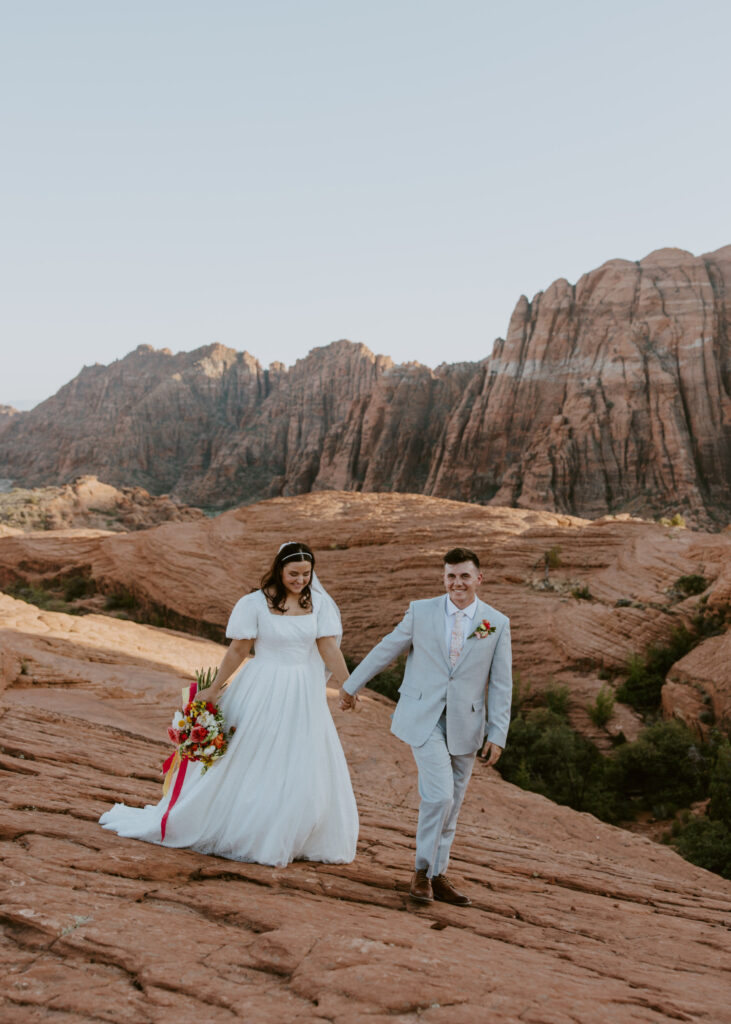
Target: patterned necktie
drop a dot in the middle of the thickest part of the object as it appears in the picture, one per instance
(456, 640)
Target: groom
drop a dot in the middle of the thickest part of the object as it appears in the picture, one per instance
(459, 648)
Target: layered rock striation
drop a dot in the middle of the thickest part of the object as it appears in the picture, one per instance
(610, 395)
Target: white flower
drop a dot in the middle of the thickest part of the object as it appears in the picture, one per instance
(208, 720)
(178, 721)
(208, 751)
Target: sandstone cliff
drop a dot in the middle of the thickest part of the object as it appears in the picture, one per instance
(612, 394)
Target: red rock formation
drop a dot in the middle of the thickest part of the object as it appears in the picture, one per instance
(377, 552)
(572, 919)
(89, 503)
(613, 394)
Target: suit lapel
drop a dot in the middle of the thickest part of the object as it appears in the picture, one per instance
(439, 628)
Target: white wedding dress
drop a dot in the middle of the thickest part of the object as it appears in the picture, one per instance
(282, 790)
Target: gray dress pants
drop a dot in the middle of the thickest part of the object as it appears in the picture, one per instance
(443, 779)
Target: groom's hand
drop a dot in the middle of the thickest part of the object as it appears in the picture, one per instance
(490, 754)
(347, 700)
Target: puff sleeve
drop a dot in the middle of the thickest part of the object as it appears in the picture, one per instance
(328, 618)
(242, 624)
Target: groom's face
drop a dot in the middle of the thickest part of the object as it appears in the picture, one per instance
(461, 582)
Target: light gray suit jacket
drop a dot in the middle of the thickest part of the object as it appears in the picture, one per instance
(431, 683)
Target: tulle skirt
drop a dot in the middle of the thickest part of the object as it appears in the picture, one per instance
(281, 792)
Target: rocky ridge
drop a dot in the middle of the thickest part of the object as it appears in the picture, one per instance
(610, 395)
(573, 920)
(377, 552)
(88, 503)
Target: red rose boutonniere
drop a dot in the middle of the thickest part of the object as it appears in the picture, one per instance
(484, 629)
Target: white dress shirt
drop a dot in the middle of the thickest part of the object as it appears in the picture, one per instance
(450, 610)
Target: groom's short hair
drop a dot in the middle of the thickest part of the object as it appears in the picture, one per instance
(457, 555)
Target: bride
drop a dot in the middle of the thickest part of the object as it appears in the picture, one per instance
(282, 791)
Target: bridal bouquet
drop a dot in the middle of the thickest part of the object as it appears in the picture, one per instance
(198, 734)
(198, 730)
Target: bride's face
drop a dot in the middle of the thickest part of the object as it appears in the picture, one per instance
(296, 576)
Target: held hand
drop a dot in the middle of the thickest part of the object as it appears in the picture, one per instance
(490, 754)
(347, 700)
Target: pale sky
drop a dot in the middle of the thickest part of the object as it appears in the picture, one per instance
(278, 174)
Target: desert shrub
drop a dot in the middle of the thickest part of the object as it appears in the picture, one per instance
(121, 599)
(552, 558)
(545, 755)
(689, 585)
(41, 597)
(720, 786)
(581, 593)
(707, 843)
(601, 710)
(676, 520)
(556, 699)
(664, 769)
(77, 586)
(646, 672)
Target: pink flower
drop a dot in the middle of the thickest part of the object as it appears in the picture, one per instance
(175, 736)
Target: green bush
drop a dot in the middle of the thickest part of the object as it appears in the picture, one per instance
(690, 585)
(120, 599)
(601, 710)
(581, 593)
(556, 699)
(552, 558)
(720, 787)
(545, 755)
(77, 586)
(664, 769)
(646, 672)
(707, 843)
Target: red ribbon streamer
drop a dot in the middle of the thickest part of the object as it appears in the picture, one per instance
(180, 777)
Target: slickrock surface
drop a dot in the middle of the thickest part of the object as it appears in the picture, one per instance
(608, 395)
(376, 552)
(87, 502)
(573, 920)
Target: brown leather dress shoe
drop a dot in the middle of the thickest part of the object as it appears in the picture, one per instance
(421, 887)
(445, 892)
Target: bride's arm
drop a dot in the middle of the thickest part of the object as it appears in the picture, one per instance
(333, 658)
(238, 651)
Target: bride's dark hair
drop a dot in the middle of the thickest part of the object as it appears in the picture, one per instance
(272, 583)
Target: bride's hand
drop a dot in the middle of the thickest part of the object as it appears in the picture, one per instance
(347, 700)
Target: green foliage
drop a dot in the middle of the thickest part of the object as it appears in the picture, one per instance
(205, 677)
(646, 672)
(720, 787)
(547, 756)
(707, 843)
(601, 710)
(552, 558)
(582, 593)
(664, 769)
(41, 597)
(556, 699)
(77, 586)
(121, 599)
(689, 585)
(676, 520)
